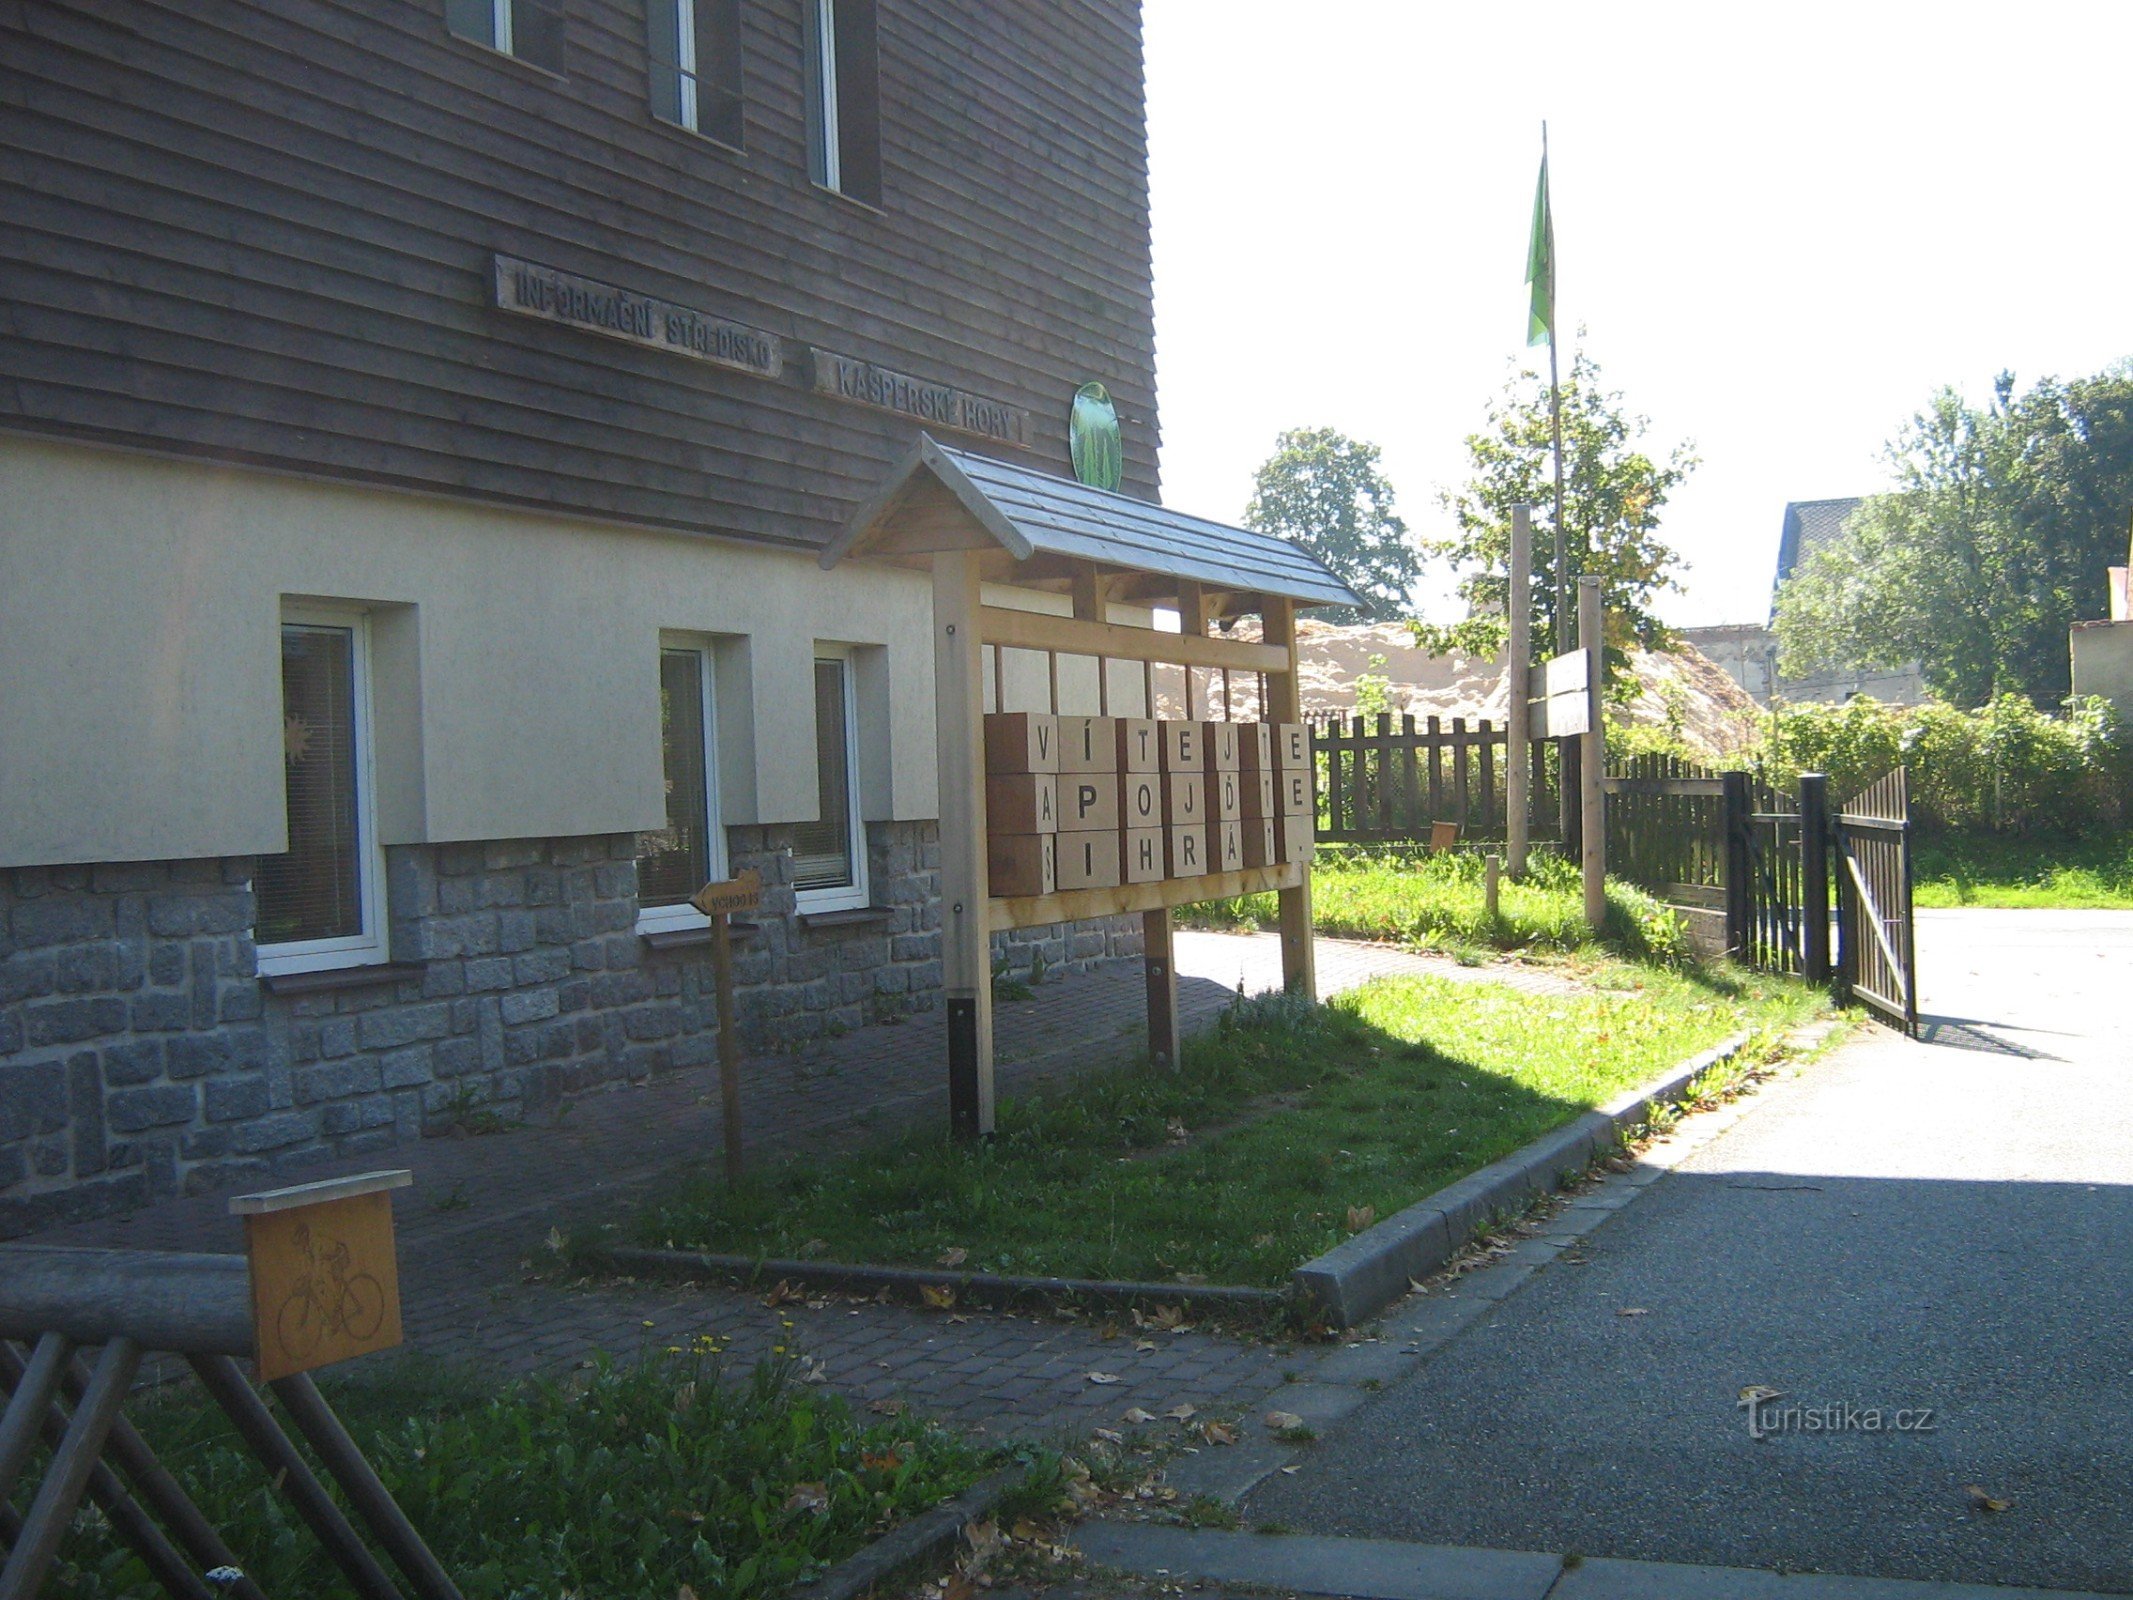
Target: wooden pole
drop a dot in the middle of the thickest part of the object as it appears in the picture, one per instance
(1592, 766)
(1159, 968)
(1491, 884)
(1518, 672)
(372, 1501)
(729, 1045)
(58, 1496)
(1299, 960)
(25, 1413)
(292, 1474)
(959, 722)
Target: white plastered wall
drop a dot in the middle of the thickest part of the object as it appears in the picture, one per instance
(516, 660)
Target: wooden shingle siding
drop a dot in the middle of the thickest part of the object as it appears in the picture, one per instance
(264, 232)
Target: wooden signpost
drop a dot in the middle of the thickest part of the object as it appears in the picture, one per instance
(719, 901)
(325, 1278)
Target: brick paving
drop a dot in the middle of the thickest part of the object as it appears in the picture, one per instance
(481, 1207)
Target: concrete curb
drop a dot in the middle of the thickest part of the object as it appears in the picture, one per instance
(986, 1286)
(924, 1536)
(1354, 1281)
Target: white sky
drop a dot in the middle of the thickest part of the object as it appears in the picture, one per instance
(1783, 228)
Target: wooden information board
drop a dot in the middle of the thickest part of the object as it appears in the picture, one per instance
(325, 1276)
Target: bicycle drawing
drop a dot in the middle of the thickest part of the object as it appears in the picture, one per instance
(327, 1299)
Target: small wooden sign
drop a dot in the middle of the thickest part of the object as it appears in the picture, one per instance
(325, 1277)
(743, 892)
(1560, 697)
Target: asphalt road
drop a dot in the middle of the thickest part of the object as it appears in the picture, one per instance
(1944, 1225)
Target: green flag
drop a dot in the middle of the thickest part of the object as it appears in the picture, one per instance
(1540, 265)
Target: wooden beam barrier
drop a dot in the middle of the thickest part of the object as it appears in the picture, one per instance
(161, 1300)
(1076, 636)
(1075, 905)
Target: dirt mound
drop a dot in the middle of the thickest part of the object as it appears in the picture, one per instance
(1681, 690)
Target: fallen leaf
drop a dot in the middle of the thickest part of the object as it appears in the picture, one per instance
(937, 1295)
(1168, 1318)
(1361, 1217)
(958, 1317)
(781, 1292)
(983, 1537)
(814, 1371)
(1192, 1279)
(1283, 1421)
(1140, 1417)
(882, 1463)
(1144, 1344)
(814, 1247)
(1176, 1131)
(556, 1241)
(959, 1587)
(685, 1593)
(1103, 1377)
(952, 1258)
(1108, 1435)
(1182, 1412)
(1217, 1433)
(889, 1408)
(807, 1497)
(1756, 1393)
(1291, 1471)
(1632, 1311)
(1983, 1500)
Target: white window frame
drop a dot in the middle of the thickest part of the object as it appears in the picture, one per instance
(368, 948)
(683, 918)
(826, 95)
(500, 26)
(685, 64)
(856, 895)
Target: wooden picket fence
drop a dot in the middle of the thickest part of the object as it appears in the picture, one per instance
(1385, 779)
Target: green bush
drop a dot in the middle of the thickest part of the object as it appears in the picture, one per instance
(2006, 767)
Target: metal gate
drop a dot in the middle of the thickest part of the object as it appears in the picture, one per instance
(1876, 947)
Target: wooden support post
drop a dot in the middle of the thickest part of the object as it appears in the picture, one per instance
(966, 966)
(286, 1465)
(1739, 864)
(1592, 763)
(1089, 607)
(729, 1045)
(1517, 670)
(1814, 877)
(372, 1501)
(1491, 884)
(67, 1475)
(1299, 960)
(1159, 965)
(1192, 619)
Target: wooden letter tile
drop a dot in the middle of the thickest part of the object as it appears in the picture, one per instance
(1225, 847)
(1188, 851)
(1225, 797)
(1184, 799)
(1140, 747)
(1088, 800)
(1140, 800)
(1255, 746)
(1292, 793)
(1088, 744)
(1025, 802)
(1022, 863)
(1218, 746)
(1143, 851)
(1181, 746)
(1260, 849)
(1021, 741)
(1292, 745)
(1255, 793)
(1088, 860)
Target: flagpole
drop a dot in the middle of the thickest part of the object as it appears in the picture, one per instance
(1563, 637)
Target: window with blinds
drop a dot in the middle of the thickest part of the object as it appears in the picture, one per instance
(314, 890)
(681, 858)
(695, 51)
(827, 854)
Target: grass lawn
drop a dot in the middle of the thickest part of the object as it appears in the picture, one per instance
(1996, 870)
(1248, 1160)
(1434, 901)
(633, 1479)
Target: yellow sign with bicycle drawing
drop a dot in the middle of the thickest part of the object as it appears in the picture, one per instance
(325, 1276)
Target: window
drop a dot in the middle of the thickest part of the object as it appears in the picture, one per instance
(690, 851)
(844, 98)
(528, 30)
(696, 66)
(321, 902)
(829, 865)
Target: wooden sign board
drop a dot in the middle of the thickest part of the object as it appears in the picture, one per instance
(325, 1277)
(734, 895)
(1560, 694)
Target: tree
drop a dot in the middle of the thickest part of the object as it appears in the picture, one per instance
(1323, 491)
(1995, 540)
(1613, 493)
